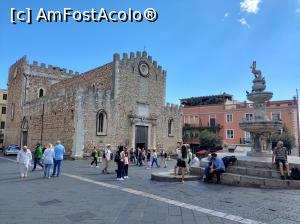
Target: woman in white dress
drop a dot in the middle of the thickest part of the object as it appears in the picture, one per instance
(24, 159)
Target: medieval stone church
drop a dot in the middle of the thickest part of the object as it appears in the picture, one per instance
(122, 102)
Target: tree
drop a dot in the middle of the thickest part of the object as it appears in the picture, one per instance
(286, 137)
(209, 140)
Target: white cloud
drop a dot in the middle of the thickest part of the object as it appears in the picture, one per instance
(298, 10)
(227, 14)
(243, 22)
(250, 6)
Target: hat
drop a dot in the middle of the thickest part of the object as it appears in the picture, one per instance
(108, 145)
(214, 154)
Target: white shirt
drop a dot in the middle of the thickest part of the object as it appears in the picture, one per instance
(179, 154)
(107, 154)
(195, 162)
(48, 156)
(24, 157)
(154, 155)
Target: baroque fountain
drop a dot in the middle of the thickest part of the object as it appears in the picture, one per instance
(260, 126)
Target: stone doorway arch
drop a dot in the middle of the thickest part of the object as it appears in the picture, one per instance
(24, 132)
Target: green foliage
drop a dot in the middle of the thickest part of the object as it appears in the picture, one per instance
(209, 140)
(286, 137)
(188, 127)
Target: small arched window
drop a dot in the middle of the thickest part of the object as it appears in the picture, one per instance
(170, 127)
(101, 124)
(41, 93)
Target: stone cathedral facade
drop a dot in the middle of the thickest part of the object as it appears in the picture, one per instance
(122, 102)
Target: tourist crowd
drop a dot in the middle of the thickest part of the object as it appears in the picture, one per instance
(48, 158)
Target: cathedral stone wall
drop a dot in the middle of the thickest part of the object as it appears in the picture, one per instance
(71, 103)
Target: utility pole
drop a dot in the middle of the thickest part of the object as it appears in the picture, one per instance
(297, 99)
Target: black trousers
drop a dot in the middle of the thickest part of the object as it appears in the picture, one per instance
(94, 161)
(218, 174)
(126, 170)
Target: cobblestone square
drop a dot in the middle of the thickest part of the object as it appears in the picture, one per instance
(83, 195)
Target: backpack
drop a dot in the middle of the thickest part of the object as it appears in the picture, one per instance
(227, 160)
(117, 158)
(295, 174)
(111, 156)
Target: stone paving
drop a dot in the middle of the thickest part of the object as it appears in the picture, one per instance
(68, 200)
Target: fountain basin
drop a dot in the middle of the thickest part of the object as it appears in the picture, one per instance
(260, 97)
(261, 126)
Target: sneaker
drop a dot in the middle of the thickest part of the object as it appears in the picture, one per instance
(282, 178)
(91, 166)
(97, 166)
(289, 177)
(121, 178)
(118, 178)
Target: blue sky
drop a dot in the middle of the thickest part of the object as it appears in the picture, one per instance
(206, 46)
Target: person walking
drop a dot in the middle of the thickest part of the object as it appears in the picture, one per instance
(136, 153)
(126, 164)
(154, 159)
(148, 159)
(189, 159)
(24, 159)
(163, 158)
(107, 158)
(140, 157)
(95, 157)
(132, 156)
(38, 154)
(59, 151)
(48, 159)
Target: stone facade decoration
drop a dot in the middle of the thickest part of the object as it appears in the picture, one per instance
(122, 102)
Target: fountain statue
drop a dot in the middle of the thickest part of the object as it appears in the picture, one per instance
(260, 126)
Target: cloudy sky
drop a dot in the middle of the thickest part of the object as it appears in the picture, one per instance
(206, 46)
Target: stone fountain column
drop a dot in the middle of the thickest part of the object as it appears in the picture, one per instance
(260, 127)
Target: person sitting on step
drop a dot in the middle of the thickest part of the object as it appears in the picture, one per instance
(279, 158)
(215, 166)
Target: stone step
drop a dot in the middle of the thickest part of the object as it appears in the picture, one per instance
(264, 173)
(169, 177)
(257, 172)
(252, 181)
(253, 164)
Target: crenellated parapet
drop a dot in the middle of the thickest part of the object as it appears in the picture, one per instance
(137, 57)
(21, 61)
(172, 108)
(51, 69)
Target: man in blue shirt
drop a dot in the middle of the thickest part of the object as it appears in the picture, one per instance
(215, 166)
(59, 151)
